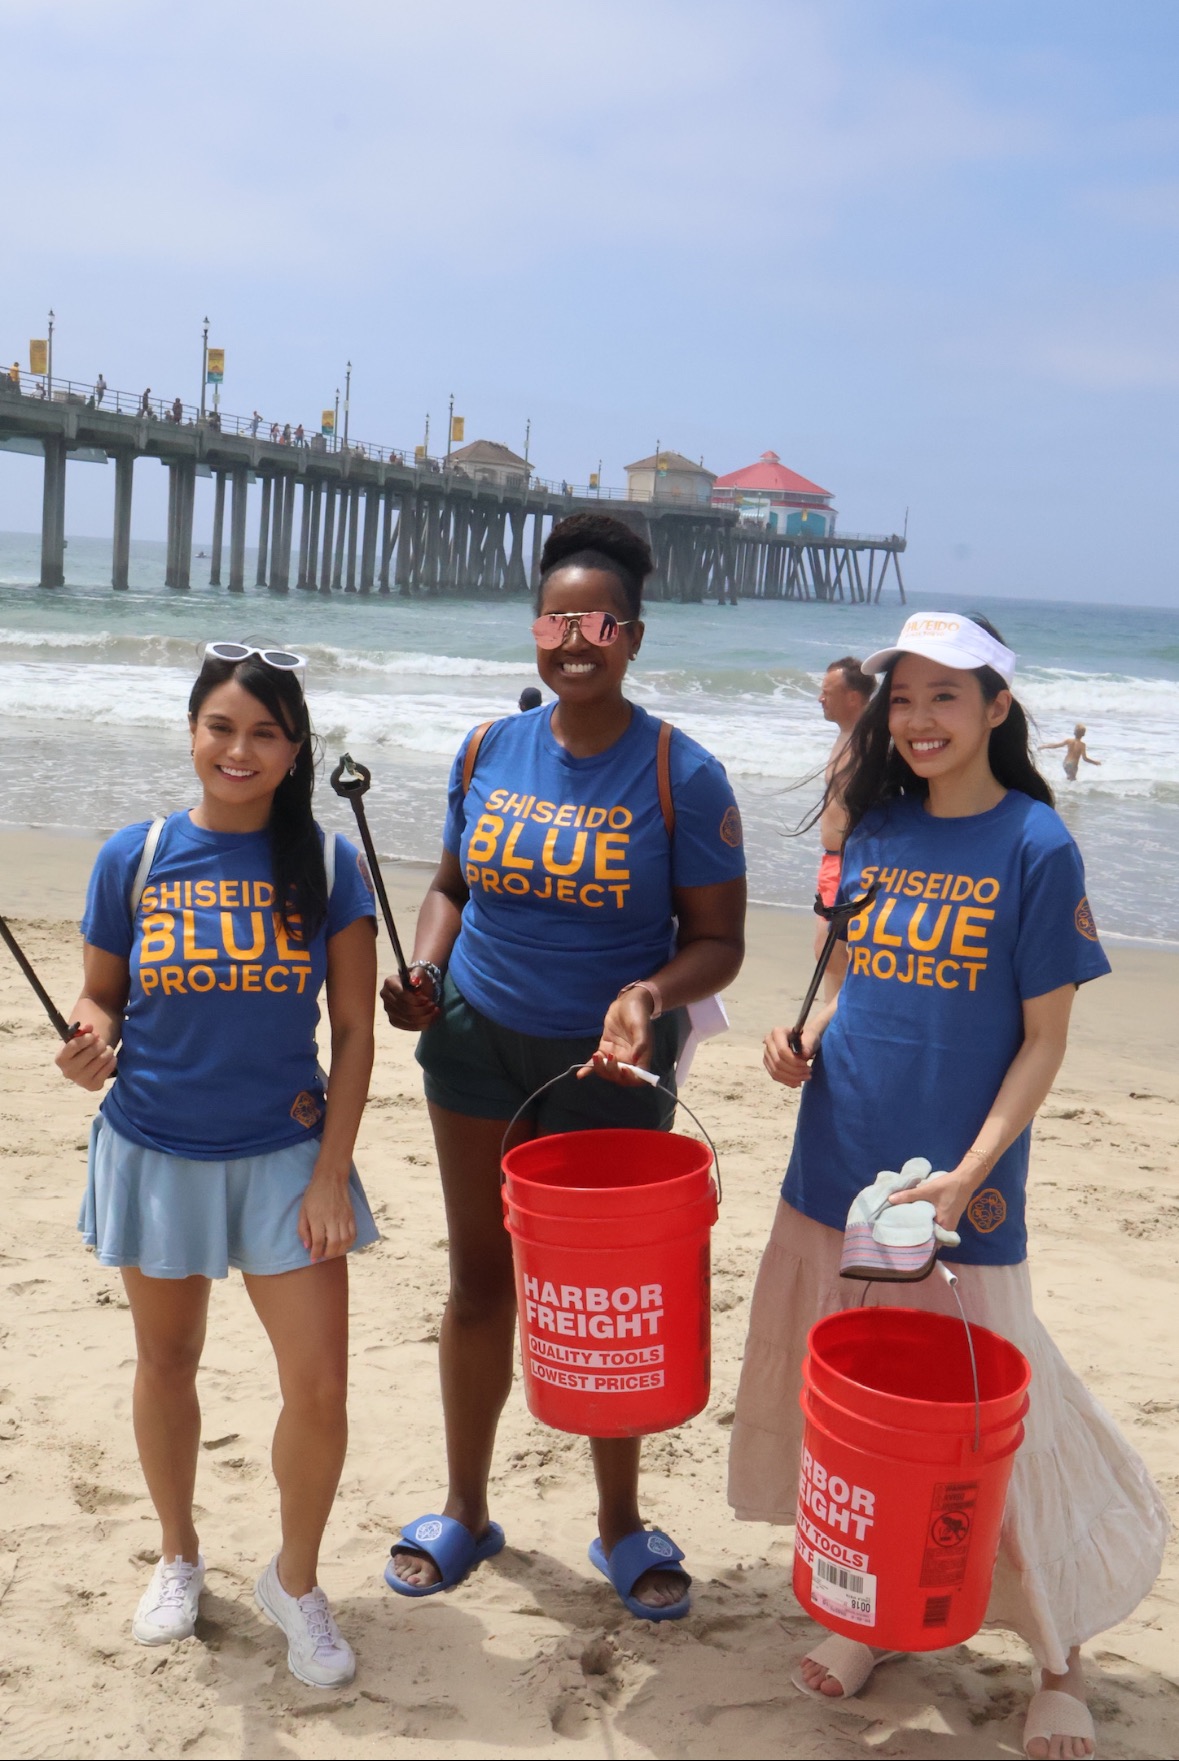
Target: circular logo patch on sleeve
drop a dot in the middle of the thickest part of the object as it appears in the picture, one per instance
(730, 828)
(987, 1209)
(1083, 918)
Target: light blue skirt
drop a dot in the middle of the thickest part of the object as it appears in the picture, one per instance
(174, 1218)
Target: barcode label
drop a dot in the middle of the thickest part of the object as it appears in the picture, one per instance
(837, 1590)
(836, 1574)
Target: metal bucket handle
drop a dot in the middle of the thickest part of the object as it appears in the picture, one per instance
(652, 1081)
(952, 1281)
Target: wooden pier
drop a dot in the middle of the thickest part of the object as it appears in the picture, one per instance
(364, 520)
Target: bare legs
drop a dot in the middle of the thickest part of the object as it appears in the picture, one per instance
(169, 1316)
(305, 1314)
(475, 1353)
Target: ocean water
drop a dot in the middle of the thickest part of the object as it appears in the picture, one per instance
(93, 687)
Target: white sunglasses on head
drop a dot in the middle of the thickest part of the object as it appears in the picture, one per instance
(281, 659)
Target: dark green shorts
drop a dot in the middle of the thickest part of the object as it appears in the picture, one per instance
(483, 1071)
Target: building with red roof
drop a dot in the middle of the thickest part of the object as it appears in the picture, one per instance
(772, 495)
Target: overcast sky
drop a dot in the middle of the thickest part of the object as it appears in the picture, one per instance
(928, 252)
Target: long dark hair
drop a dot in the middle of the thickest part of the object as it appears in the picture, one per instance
(296, 853)
(874, 771)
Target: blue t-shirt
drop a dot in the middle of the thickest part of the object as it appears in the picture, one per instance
(570, 869)
(218, 1057)
(974, 917)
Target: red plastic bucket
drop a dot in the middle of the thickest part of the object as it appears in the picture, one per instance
(904, 1474)
(610, 1241)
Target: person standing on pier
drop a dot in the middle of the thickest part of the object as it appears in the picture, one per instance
(208, 937)
(145, 403)
(843, 698)
(14, 373)
(99, 391)
(632, 920)
(255, 419)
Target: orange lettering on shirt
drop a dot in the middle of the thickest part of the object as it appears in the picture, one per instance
(509, 859)
(610, 847)
(970, 932)
(257, 930)
(548, 854)
(158, 941)
(484, 838)
(191, 951)
(879, 934)
(933, 939)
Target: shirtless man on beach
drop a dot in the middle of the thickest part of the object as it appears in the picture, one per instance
(1074, 751)
(843, 699)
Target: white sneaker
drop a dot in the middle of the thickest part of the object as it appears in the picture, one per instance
(317, 1651)
(168, 1607)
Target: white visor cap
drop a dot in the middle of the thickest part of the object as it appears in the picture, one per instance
(947, 636)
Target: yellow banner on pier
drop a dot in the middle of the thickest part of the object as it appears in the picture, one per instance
(458, 427)
(419, 455)
(214, 366)
(328, 424)
(594, 480)
(38, 357)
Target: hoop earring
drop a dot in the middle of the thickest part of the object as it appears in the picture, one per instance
(292, 770)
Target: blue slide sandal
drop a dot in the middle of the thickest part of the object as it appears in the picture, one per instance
(448, 1545)
(645, 1550)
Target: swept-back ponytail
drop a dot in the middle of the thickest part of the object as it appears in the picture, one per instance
(296, 853)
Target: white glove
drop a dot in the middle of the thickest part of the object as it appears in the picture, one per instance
(900, 1225)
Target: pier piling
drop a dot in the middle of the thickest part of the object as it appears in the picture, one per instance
(237, 531)
(121, 553)
(218, 529)
(260, 574)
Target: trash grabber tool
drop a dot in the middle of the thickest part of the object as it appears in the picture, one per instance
(51, 1009)
(837, 917)
(352, 781)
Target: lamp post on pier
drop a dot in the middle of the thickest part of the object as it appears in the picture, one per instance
(449, 428)
(49, 361)
(204, 364)
(336, 424)
(527, 442)
(347, 400)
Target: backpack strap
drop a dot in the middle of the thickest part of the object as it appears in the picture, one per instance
(150, 845)
(470, 756)
(329, 860)
(663, 775)
(662, 768)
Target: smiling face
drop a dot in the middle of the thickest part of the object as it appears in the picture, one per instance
(578, 672)
(239, 751)
(939, 719)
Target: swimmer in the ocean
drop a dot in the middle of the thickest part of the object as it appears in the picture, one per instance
(1074, 751)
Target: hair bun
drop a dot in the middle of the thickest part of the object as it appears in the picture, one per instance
(603, 533)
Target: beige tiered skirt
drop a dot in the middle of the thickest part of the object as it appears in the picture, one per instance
(1085, 1525)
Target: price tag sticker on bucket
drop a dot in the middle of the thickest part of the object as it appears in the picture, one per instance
(850, 1594)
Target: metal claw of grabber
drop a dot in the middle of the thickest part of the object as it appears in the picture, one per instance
(838, 917)
(352, 781)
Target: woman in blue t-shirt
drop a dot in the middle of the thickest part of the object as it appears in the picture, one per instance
(591, 886)
(942, 1043)
(208, 937)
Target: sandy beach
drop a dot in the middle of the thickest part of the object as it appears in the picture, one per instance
(533, 1657)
